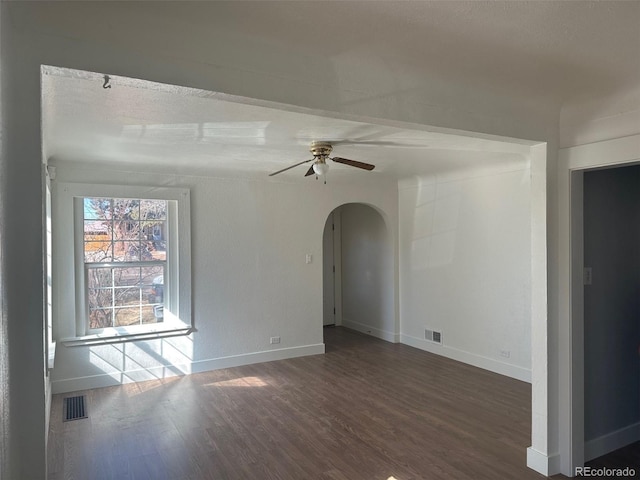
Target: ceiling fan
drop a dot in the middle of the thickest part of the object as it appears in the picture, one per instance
(320, 152)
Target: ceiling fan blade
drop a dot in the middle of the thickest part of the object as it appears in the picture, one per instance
(310, 171)
(353, 163)
(285, 169)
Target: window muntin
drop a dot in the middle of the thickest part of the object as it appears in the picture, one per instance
(125, 261)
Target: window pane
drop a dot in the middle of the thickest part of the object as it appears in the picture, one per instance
(126, 230)
(153, 278)
(97, 252)
(153, 209)
(126, 209)
(126, 316)
(126, 251)
(150, 296)
(126, 276)
(97, 208)
(96, 228)
(99, 277)
(100, 298)
(149, 314)
(159, 251)
(152, 275)
(126, 297)
(146, 251)
(100, 318)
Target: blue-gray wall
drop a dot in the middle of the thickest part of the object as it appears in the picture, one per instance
(612, 301)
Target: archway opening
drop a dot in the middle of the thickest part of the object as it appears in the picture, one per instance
(358, 278)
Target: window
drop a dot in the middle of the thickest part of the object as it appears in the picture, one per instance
(131, 262)
(125, 257)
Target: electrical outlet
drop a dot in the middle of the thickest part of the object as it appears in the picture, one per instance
(505, 353)
(275, 340)
(588, 276)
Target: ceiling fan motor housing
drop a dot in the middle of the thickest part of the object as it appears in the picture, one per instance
(320, 149)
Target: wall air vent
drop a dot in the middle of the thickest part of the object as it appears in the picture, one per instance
(75, 408)
(433, 336)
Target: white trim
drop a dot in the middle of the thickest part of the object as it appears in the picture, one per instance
(337, 259)
(115, 335)
(541, 230)
(611, 441)
(166, 371)
(541, 463)
(496, 366)
(369, 330)
(598, 154)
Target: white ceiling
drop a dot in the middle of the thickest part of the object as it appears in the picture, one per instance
(560, 50)
(166, 128)
(565, 50)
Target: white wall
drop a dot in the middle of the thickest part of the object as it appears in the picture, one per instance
(368, 281)
(23, 359)
(465, 266)
(250, 280)
(601, 118)
(161, 42)
(611, 306)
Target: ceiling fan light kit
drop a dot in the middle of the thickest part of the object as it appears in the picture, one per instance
(320, 152)
(320, 168)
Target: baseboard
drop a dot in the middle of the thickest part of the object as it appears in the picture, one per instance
(611, 441)
(369, 330)
(479, 361)
(547, 465)
(165, 371)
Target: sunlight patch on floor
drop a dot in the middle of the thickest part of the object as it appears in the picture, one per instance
(239, 382)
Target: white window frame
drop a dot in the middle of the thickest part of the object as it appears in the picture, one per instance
(70, 310)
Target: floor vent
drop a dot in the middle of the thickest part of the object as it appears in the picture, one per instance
(75, 408)
(433, 336)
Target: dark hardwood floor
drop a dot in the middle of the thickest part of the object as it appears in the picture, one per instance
(367, 409)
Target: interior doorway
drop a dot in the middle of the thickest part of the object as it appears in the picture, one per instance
(358, 272)
(331, 270)
(611, 233)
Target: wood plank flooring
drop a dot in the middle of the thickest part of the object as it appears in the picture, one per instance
(367, 409)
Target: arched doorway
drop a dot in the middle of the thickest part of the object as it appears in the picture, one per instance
(358, 271)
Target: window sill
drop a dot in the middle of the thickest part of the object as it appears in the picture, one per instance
(119, 335)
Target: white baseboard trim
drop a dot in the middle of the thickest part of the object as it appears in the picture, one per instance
(611, 441)
(369, 330)
(547, 465)
(479, 361)
(165, 371)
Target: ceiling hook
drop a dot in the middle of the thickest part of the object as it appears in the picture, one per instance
(106, 82)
